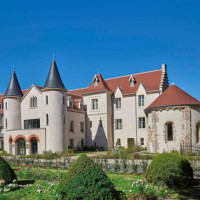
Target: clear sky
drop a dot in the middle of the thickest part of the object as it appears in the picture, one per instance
(118, 37)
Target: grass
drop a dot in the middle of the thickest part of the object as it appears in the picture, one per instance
(122, 182)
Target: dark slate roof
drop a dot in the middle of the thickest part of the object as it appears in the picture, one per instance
(54, 80)
(13, 87)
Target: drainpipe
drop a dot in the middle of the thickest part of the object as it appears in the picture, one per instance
(136, 117)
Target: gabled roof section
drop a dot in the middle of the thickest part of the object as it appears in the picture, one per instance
(150, 80)
(173, 96)
(101, 85)
(13, 89)
(54, 80)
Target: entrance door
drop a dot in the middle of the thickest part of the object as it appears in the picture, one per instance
(34, 146)
(130, 142)
(21, 147)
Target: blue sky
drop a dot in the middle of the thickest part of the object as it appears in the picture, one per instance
(118, 37)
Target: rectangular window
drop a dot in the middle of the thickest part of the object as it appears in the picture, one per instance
(71, 143)
(90, 124)
(6, 105)
(31, 123)
(0, 106)
(46, 99)
(118, 123)
(141, 122)
(82, 126)
(94, 104)
(118, 103)
(141, 100)
(71, 126)
(71, 104)
(141, 141)
(118, 143)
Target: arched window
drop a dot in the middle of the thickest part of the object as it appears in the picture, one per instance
(198, 133)
(34, 146)
(33, 102)
(47, 119)
(169, 129)
(21, 147)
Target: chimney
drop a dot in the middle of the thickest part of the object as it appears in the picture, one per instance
(164, 67)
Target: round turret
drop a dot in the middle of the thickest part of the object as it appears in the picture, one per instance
(12, 104)
(55, 108)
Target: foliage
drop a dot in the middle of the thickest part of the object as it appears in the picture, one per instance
(4, 153)
(91, 183)
(79, 165)
(170, 169)
(28, 172)
(6, 172)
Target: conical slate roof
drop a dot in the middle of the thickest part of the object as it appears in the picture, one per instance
(54, 80)
(13, 89)
(173, 96)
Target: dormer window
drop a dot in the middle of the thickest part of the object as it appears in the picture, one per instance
(96, 80)
(80, 104)
(33, 102)
(70, 102)
(132, 81)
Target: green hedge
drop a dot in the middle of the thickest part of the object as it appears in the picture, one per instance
(6, 172)
(170, 169)
(91, 183)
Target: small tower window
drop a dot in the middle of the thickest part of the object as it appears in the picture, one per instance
(6, 123)
(46, 99)
(6, 105)
(63, 100)
(47, 119)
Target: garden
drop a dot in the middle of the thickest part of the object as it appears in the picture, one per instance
(117, 174)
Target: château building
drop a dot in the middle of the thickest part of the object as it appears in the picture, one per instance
(137, 109)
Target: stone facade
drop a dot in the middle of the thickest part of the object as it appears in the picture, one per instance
(108, 113)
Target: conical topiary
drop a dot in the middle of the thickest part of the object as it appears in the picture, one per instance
(78, 166)
(6, 172)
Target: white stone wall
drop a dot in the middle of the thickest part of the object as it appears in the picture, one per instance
(12, 113)
(77, 117)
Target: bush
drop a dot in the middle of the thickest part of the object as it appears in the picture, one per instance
(6, 172)
(170, 169)
(79, 165)
(91, 183)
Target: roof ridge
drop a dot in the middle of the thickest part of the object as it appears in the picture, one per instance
(133, 74)
(78, 89)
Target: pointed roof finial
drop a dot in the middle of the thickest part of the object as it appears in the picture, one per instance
(13, 68)
(53, 56)
(97, 70)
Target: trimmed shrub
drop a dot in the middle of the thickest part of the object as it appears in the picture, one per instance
(79, 165)
(91, 183)
(6, 172)
(170, 169)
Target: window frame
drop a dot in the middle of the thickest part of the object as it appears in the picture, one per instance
(141, 100)
(141, 123)
(95, 104)
(71, 128)
(167, 131)
(82, 128)
(118, 125)
(118, 102)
